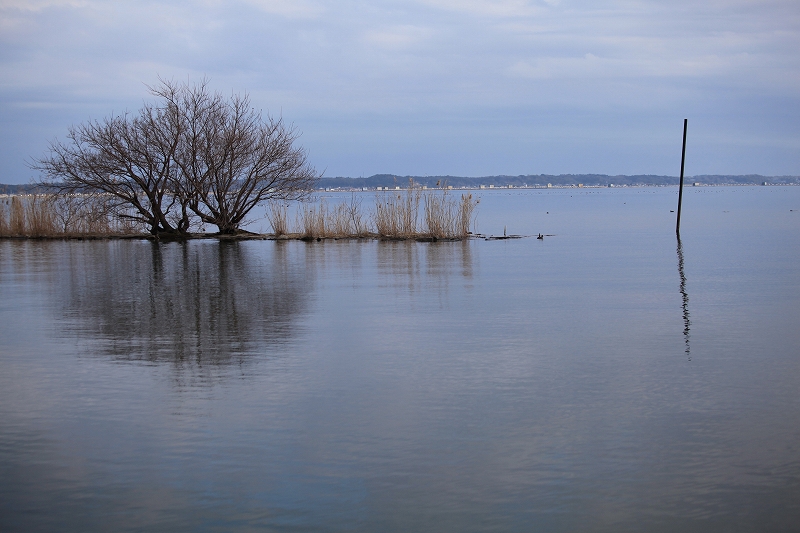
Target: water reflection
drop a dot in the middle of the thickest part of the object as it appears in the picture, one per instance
(425, 266)
(197, 303)
(685, 297)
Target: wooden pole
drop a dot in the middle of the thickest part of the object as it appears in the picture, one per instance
(680, 188)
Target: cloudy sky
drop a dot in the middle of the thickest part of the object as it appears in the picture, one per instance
(460, 87)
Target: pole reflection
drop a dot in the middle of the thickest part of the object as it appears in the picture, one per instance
(685, 300)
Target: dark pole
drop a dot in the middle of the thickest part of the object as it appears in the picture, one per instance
(680, 189)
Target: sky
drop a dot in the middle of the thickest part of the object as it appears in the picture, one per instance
(430, 87)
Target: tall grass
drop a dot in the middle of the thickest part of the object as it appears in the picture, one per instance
(348, 219)
(52, 215)
(466, 214)
(40, 218)
(16, 222)
(3, 223)
(319, 221)
(396, 214)
(313, 220)
(278, 217)
(448, 218)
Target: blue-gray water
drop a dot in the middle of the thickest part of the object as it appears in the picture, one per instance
(584, 382)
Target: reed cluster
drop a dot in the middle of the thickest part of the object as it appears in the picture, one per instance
(317, 220)
(347, 219)
(53, 215)
(395, 216)
(277, 214)
(314, 220)
(443, 217)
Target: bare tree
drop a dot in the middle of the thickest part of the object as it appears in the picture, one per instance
(191, 153)
(233, 158)
(131, 158)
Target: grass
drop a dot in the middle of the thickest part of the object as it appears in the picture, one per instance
(50, 215)
(278, 216)
(412, 214)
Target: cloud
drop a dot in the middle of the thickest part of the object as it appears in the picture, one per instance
(385, 67)
(591, 66)
(289, 8)
(398, 37)
(39, 5)
(489, 8)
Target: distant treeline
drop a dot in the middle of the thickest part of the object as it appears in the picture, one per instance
(531, 180)
(17, 189)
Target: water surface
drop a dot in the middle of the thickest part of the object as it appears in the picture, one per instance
(607, 378)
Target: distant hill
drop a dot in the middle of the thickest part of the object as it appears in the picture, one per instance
(16, 189)
(542, 180)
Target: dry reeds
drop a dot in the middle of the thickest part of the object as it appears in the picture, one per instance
(313, 219)
(347, 219)
(53, 215)
(396, 215)
(466, 214)
(448, 218)
(16, 219)
(343, 220)
(3, 224)
(278, 217)
(339, 223)
(39, 219)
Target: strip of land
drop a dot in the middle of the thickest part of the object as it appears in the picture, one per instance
(393, 181)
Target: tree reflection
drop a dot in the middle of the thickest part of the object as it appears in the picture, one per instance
(200, 303)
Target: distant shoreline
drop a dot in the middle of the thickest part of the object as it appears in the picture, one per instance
(532, 181)
(543, 180)
(545, 187)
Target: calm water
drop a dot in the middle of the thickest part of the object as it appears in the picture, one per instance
(603, 379)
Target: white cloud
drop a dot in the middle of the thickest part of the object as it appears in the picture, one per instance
(39, 5)
(489, 8)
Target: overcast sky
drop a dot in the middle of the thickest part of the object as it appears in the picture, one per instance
(422, 87)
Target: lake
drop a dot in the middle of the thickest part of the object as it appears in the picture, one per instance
(605, 378)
